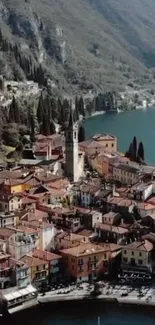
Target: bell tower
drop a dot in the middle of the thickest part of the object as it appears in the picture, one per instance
(72, 154)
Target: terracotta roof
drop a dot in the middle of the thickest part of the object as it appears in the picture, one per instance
(27, 230)
(145, 206)
(46, 256)
(6, 233)
(69, 236)
(90, 144)
(121, 202)
(47, 177)
(103, 136)
(84, 249)
(32, 261)
(145, 246)
(28, 200)
(4, 256)
(16, 263)
(85, 233)
(7, 174)
(112, 228)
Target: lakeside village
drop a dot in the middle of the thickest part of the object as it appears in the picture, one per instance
(76, 212)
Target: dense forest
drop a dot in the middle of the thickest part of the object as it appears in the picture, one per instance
(19, 125)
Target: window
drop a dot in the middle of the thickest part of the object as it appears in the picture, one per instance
(140, 262)
(125, 259)
(124, 251)
(140, 254)
(74, 135)
(6, 206)
(11, 207)
(112, 145)
(106, 145)
(80, 268)
(73, 267)
(132, 253)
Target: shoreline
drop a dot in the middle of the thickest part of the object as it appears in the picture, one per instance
(119, 295)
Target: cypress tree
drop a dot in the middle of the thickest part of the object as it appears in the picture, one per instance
(97, 104)
(14, 114)
(135, 146)
(40, 109)
(81, 106)
(141, 151)
(1, 83)
(45, 126)
(131, 152)
(52, 127)
(81, 135)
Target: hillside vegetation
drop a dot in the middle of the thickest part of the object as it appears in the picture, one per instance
(81, 45)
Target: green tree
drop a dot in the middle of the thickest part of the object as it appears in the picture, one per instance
(40, 109)
(81, 107)
(81, 135)
(45, 126)
(141, 151)
(131, 152)
(52, 127)
(14, 114)
(10, 135)
(135, 146)
(97, 104)
(1, 83)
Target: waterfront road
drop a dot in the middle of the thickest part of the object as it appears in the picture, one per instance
(118, 293)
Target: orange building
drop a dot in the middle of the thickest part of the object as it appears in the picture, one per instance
(107, 140)
(85, 262)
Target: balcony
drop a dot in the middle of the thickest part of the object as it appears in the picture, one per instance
(22, 277)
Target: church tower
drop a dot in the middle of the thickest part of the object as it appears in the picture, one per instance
(72, 154)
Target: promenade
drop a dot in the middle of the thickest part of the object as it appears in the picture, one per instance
(120, 294)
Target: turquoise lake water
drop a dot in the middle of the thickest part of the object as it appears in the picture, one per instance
(139, 123)
(84, 314)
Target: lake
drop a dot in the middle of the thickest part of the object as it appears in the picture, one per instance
(85, 314)
(126, 125)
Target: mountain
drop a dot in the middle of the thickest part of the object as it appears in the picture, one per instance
(80, 45)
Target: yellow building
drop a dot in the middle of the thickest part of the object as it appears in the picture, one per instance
(126, 174)
(137, 255)
(108, 140)
(39, 269)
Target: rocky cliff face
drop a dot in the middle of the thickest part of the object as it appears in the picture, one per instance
(81, 45)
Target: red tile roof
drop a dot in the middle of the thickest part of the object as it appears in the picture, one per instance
(46, 256)
(32, 261)
(6, 233)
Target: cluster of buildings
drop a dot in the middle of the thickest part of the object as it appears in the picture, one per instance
(75, 212)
